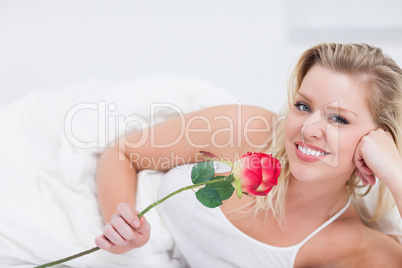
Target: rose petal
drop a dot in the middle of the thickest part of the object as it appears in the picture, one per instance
(257, 172)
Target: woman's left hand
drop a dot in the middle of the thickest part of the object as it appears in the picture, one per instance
(377, 155)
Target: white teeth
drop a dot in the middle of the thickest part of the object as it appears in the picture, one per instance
(309, 151)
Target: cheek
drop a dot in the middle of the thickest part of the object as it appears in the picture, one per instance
(292, 126)
(347, 144)
(340, 140)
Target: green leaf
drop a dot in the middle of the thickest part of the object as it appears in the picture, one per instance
(209, 197)
(225, 189)
(202, 172)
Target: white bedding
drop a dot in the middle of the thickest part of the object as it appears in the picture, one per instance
(48, 205)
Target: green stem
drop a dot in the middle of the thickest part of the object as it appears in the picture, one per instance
(139, 216)
(176, 192)
(68, 258)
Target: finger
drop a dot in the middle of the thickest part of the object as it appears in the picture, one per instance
(129, 214)
(123, 228)
(145, 227)
(102, 242)
(366, 178)
(113, 236)
(358, 158)
(360, 164)
(364, 169)
(365, 173)
(357, 173)
(359, 161)
(369, 178)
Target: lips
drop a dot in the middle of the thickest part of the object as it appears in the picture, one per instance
(309, 153)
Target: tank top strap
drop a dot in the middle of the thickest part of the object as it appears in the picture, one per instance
(325, 224)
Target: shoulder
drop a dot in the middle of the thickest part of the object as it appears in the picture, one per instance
(237, 111)
(347, 242)
(376, 249)
(358, 245)
(232, 130)
(248, 118)
(252, 125)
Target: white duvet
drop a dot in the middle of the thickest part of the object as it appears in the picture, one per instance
(48, 205)
(50, 142)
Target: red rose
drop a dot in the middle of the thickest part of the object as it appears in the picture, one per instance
(256, 174)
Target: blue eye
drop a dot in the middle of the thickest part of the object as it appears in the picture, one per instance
(339, 119)
(302, 107)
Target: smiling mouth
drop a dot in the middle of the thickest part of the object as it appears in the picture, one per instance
(310, 152)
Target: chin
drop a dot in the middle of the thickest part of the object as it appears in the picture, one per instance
(302, 175)
(319, 172)
(303, 172)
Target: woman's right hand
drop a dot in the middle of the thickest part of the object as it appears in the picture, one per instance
(125, 231)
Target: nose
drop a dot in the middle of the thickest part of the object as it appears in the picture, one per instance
(313, 127)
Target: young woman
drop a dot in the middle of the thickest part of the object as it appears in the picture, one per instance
(343, 125)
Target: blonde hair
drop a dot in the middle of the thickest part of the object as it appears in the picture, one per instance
(383, 78)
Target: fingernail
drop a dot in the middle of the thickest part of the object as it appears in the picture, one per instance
(136, 224)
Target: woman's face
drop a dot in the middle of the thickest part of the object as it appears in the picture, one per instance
(323, 128)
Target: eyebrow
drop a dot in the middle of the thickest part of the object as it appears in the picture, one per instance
(337, 108)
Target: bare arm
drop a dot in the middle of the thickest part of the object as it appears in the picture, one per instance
(114, 164)
(161, 147)
(116, 183)
(378, 155)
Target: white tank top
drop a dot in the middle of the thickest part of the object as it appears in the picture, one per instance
(204, 237)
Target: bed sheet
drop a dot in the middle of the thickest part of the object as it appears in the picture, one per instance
(51, 141)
